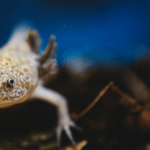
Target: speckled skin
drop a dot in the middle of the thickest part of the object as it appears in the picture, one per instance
(17, 62)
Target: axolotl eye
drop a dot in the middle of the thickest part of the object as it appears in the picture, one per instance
(10, 83)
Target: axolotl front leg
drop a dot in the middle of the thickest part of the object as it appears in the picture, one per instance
(46, 68)
(64, 121)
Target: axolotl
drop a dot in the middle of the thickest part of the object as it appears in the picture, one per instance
(22, 71)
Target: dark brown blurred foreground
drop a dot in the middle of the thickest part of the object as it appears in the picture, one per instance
(117, 121)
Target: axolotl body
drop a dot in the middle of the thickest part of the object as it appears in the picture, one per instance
(22, 70)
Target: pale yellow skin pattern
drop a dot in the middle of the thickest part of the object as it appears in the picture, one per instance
(19, 63)
(15, 64)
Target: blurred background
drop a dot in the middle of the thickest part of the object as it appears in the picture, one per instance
(109, 32)
(98, 41)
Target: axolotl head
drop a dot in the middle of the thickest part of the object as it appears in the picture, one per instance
(17, 84)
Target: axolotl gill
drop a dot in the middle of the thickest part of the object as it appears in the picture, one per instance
(23, 70)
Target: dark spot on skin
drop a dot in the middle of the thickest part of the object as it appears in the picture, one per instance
(19, 92)
(5, 99)
(6, 63)
(1, 73)
(25, 69)
(3, 83)
(15, 92)
(11, 98)
(27, 78)
(5, 90)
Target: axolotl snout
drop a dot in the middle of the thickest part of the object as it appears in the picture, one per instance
(22, 70)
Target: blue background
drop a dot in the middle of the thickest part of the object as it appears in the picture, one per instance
(104, 31)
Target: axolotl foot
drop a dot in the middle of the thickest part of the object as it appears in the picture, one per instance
(65, 123)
